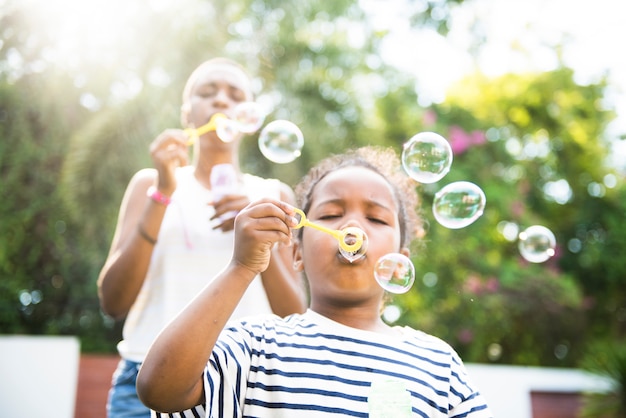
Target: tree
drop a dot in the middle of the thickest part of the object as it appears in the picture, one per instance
(533, 142)
(84, 108)
(519, 137)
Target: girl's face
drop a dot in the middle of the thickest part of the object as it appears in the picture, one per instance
(218, 88)
(349, 197)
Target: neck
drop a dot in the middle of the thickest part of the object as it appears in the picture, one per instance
(205, 159)
(365, 318)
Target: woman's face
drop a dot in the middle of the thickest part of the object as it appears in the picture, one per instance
(218, 88)
(349, 197)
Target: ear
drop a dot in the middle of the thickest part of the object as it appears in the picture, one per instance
(298, 262)
(405, 251)
(185, 110)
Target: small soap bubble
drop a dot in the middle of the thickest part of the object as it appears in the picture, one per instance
(226, 129)
(281, 141)
(536, 244)
(351, 239)
(458, 204)
(249, 117)
(427, 157)
(395, 273)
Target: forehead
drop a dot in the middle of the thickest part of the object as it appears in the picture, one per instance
(354, 182)
(212, 73)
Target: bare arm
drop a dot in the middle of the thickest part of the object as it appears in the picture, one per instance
(170, 378)
(126, 266)
(124, 271)
(283, 285)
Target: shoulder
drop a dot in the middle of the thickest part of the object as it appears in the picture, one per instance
(145, 174)
(271, 324)
(142, 180)
(423, 341)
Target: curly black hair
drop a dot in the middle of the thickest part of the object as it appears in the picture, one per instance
(383, 161)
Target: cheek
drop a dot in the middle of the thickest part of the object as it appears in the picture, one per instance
(317, 245)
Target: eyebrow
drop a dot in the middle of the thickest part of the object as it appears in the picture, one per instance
(369, 203)
(213, 83)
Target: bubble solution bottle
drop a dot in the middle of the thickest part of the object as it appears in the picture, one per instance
(223, 182)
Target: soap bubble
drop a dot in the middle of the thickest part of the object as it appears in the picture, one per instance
(427, 157)
(281, 141)
(536, 243)
(351, 237)
(249, 117)
(458, 204)
(226, 129)
(395, 273)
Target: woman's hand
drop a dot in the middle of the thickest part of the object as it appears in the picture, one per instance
(258, 227)
(226, 209)
(169, 151)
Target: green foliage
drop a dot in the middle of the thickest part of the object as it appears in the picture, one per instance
(514, 136)
(64, 168)
(106, 152)
(607, 359)
(43, 289)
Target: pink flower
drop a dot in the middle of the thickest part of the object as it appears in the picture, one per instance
(465, 336)
(473, 285)
(492, 285)
(460, 140)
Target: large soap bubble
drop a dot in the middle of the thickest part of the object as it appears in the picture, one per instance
(536, 243)
(458, 204)
(281, 141)
(249, 117)
(427, 157)
(395, 273)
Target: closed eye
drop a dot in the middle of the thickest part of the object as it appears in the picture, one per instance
(206, 92)
(378, 221)
(328, 217)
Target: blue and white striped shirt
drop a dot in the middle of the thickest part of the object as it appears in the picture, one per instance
(310, 366)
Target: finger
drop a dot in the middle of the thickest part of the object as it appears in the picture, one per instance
(287, 212)
(226, 224)
(276, 223)
(229, 204)
(270, 214)
(168, 137)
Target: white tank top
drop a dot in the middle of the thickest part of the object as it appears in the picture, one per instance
(188, 255)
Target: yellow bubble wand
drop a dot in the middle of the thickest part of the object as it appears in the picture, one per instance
(339, 235)
(211, 125)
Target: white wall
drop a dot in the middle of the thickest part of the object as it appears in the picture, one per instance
(507, 388)
(38, 376)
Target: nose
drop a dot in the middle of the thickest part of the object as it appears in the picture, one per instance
(352, 223)
(222, 100)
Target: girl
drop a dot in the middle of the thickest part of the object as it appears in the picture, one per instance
(338, 358)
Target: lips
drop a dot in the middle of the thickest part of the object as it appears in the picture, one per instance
(344, 260)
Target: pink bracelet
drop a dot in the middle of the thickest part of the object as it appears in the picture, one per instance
(157, 196)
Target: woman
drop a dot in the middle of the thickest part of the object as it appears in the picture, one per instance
(173, 234)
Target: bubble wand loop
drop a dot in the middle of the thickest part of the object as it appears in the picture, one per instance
(340, 236)
(211, 125)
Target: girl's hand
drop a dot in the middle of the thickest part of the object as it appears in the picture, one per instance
(168, 151)
(258, 227)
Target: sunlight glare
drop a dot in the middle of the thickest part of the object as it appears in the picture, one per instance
(74, 31)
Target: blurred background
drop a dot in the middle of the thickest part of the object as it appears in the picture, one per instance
(530, 95)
